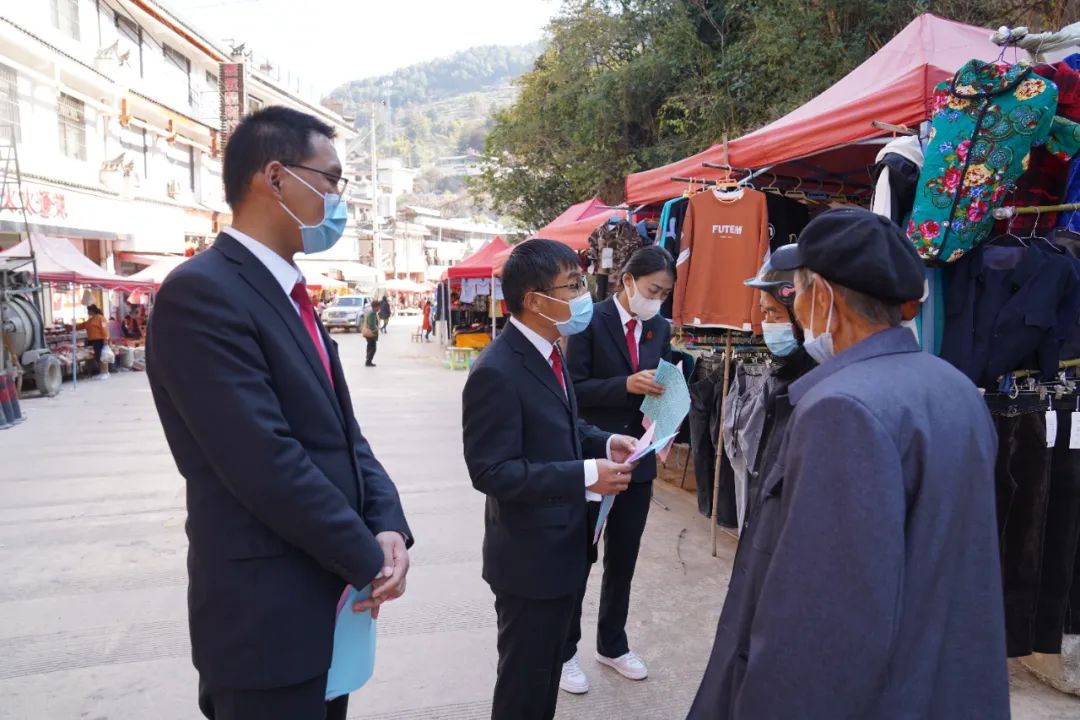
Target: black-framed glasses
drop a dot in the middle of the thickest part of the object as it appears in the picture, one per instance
(340, 183)
(581, 284)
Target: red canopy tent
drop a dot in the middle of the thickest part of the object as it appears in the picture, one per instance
(577, 223)
(59, 262)
(479, 264)
(831, 136)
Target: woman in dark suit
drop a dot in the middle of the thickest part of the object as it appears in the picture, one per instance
(612, 365)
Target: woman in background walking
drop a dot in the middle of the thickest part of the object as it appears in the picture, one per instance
(426, 327)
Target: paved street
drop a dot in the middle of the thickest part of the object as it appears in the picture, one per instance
(92, 547)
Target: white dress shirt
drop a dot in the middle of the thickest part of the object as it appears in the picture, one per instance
(626, 317)
(285, 273)
(545, 348)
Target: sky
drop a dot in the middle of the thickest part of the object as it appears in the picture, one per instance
(331, 42)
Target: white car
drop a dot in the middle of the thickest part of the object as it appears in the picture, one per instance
(346, 312)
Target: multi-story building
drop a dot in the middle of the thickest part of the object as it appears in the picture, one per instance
(115, 107)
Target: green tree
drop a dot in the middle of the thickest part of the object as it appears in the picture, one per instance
(625, 85)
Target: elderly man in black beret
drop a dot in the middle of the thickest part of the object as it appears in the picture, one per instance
(867, 583)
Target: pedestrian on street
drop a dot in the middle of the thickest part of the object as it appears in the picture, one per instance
(427, 322)
(97, 335)
(287, 504)
(784, 338)
(868, 584)
(370, 331)
(526, 450)
(385, 312)
(613, 367)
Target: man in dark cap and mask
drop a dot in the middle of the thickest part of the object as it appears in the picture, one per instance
(867, 586)
(784, 339)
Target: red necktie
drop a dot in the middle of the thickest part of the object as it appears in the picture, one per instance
(556, 366)
(307, 315)
(631, 342)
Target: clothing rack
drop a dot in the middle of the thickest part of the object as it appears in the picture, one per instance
(895, 129)
(1008, 212)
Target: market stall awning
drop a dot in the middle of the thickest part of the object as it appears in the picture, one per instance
(158, 270)
(479, 264)
(578, 222)
(893, 86)
(499, 261)
(353, 272)
(58, 261)
(317, 281)
(402, 285)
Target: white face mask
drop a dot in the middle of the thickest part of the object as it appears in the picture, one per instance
(820, 347)
(644, 308)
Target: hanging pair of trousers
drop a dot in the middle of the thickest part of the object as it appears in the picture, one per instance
(1022, 476)
(622, 541)
(705, 397)
(1061, 541)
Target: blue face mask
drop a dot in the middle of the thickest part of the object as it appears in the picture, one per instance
(580, 314)
(325, 235)
(780, 338)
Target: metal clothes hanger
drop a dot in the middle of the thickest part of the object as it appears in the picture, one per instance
(1035, 235)
(1009, 233)
(771, 187)
(797, 193)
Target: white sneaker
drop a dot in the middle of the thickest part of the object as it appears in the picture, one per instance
(102, 376)
(573, 678)
(630, 666)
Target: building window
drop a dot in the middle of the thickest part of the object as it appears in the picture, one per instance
(182, 159)
(133, 139)
(72, 117)
(9, 106)
(130, 41)
(181, 65)
(65, 17)
(254, 104)
(211, 81)
(191, 168)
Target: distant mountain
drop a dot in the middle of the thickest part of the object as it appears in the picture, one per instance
(437, 109)
(477, 69)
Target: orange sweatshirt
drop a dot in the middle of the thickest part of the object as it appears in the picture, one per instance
(724, 244)
(96, 328)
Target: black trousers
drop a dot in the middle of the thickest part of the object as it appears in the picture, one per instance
(531, 637)
(99, 347)
(372, 346)
(1023, 488)
(305, 701)
(622, 541)
(1061, 540)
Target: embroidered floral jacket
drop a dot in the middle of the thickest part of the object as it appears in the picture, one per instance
(984, 123)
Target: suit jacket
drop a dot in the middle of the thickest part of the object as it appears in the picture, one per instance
(599, 363)
(1001, 318)
(525, 449)
(868, 583)
(284, 495)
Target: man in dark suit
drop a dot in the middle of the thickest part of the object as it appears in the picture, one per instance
(526, 449)
(286, 502)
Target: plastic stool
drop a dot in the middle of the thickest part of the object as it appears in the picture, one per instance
(459, 357)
